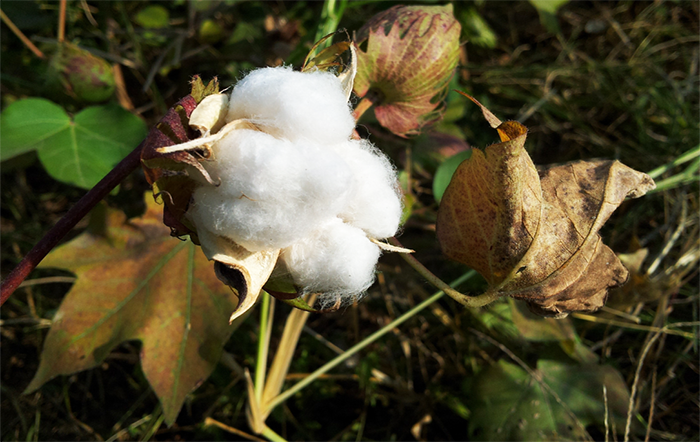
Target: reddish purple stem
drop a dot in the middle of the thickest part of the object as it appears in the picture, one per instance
(68, 221)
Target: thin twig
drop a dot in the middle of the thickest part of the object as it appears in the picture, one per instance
(209, 421)
(68, 221)
(651, 406)
(607, 412)
(630, 407)
(62, 22)
(15, 30)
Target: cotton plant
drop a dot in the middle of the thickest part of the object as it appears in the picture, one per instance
(283, 193)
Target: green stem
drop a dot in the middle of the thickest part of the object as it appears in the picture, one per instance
(330, 17)
(364, 343)
(271, 435)
(689, 155)
(688, 176)
(467, 301)
(266, 313)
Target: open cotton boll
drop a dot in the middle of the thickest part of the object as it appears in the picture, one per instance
(375, 204)
(293, 105)
(273, 192)
(336, 260)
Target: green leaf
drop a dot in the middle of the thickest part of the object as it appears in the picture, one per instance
(444, 173)
(78, 152)
(547, 9)
(28, 123)
(154, 17)
(508, 404)
(477, 30)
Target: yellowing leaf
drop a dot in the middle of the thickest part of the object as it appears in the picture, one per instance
(533, 233)
(136, 282)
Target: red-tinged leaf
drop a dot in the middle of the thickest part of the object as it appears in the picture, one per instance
(411, 55)
(135, 282)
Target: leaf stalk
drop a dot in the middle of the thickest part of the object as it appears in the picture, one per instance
(467, 301)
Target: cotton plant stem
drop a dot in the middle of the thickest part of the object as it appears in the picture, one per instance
(364, 343)
(283, 355)
(271, 435)
(15, 30)
(68, 221)
(467, 301)
(370, 99)
(267, 312)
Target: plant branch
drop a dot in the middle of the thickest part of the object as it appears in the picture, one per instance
(364, 343)
(15, 30)
(467, 301)
(62, 22)
(68, 221)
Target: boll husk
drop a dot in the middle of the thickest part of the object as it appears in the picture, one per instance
(282, 175)
(406, 58)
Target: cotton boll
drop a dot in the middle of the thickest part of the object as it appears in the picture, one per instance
(273, 192)
(375, 204)
(294, 105)
(336, 260)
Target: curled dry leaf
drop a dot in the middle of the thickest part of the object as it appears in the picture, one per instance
(410, 57)
(533, 233)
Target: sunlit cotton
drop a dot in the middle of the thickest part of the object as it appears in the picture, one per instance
(301, 184)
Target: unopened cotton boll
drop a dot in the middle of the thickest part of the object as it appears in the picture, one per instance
(293, 105)
(336, 260)
(375, 203)
(273, 192)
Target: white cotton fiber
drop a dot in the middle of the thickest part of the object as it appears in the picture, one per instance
(300, 184)
(337, 259)
(375, 204)
(273, 192)
(294, 105)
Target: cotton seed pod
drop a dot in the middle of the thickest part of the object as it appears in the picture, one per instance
(88, 77)
(271, 184)
(406, 57)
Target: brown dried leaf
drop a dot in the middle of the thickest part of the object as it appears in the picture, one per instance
(533, 233)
